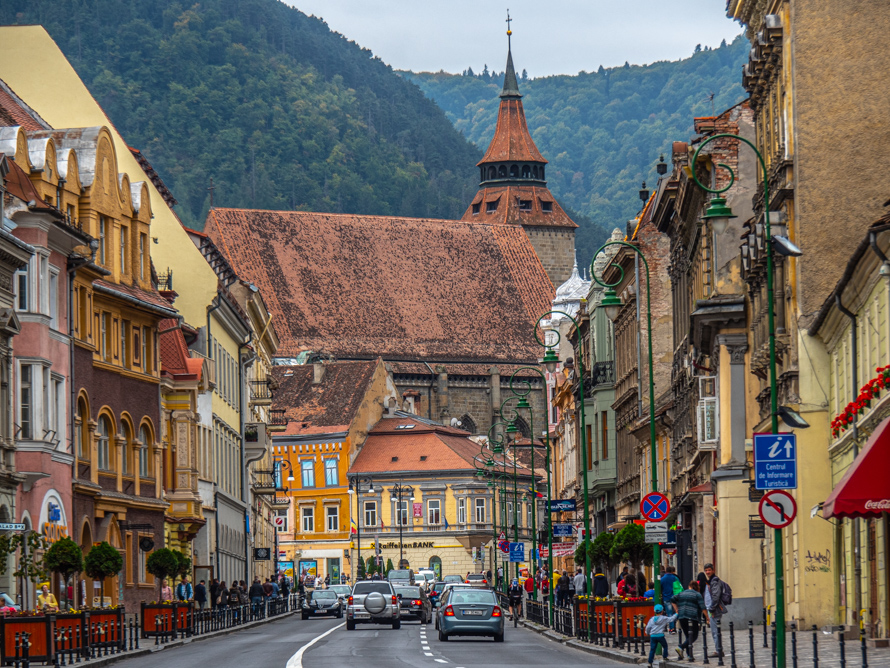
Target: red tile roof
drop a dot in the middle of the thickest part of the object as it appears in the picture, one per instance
(14, 112)
(176, 363)
(333, 402)
(419, 368)
(151, 300)
(19, 185)
(400, 288)
(508, 211)
(409, 444)
(512, 142)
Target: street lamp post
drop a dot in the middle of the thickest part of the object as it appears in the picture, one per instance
(496, 444)
(719, 214)
(355, 487)
(550, 361)
(612, 305)
(399, 489)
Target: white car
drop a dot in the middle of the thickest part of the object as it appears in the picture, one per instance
(425, 579)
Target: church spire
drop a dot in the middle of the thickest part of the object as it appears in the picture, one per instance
(511, 85)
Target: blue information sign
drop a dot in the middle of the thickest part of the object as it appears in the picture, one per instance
(517, 552)
(563, 530)
(775, 461)
(562, 505)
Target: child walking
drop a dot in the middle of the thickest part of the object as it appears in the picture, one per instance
(655, 628)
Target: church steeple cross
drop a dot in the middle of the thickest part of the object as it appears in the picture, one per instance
(509, 31)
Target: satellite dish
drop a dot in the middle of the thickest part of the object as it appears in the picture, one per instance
(456, 423)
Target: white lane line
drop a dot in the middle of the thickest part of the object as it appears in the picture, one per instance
(296, 661)
(441, 661)
(428, 653)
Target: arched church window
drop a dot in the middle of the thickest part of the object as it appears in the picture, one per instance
(523, 428)
(514, 171)
(467, 423)
(526, 171)
(502, 172)
(492, 173)
(535, 171)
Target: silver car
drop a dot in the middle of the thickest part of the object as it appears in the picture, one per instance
(470, 612)
(374, 602)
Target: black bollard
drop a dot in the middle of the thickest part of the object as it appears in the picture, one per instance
(719, 644)
(18, 650)
(732, 645)
(843, 648)
(765, 626)
(794, 645)
(138, 629)
(608, 629)
(157, 630)
(815, 647)
(626, 634)
(643, 649)
(704, 641)
(26, 650)
(751, 644)
(773, 636)
(106, 639)
(864, 647)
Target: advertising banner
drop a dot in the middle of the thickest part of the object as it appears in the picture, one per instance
(308, 568)
(418, 510)
(286, 568)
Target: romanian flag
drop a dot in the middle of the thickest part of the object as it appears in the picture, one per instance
(536, 493)
(352, 529)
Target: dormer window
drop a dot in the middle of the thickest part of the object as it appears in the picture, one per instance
(546, 207)
(491, 207)
(476, 208)
(525, 205)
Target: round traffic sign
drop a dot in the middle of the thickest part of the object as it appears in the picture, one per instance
(777, 508)
(655, 506)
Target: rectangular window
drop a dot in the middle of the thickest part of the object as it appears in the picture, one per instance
(511, 518)
(525, 205)
(433, 512)
(125, 343)
(26, 402)
(54, 300)
(281, 521)
(142, 257)
(475, 209)
(480, 511)
(21, 289)
(143, 460)
(102, 231)
(58, 424)
(70, 210)
(491, 207)
(605, 434)
(528, 516)
(333, 518)
(145, 361)
(370, 513)
(546, 207)
(124, 263)
(307, 470)
(402, 512)
(589, 446)
(104, 333)
(144, 576)
(43, 276)
(461, 511)
(330, 472)
(308, 515)
(47, 402)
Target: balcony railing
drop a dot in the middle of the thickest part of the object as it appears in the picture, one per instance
(277, 418)
(261, 392)
(603, 373)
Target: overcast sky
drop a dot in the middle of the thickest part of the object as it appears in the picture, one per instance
(549, 36)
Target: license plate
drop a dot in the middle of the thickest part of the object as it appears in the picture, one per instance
(361, 615)
(473, 612)
(320, 612)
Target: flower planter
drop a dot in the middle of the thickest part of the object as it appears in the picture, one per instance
(69, 626)
(172, 618)
(105, 627)
(40, 629)
(635, 612)
(604, 618)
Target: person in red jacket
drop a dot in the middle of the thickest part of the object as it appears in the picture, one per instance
(529, 585)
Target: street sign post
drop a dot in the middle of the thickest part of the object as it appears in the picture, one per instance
(562, 505)
(502, 536)
(517, 553)
(563, 530)
(12, 527)
(656, 532)
(775, 461)
(777, 509)
(262, 554)
(655, 507)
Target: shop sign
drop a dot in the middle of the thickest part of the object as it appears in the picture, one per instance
(418, 510)
(393, 545)
(52, 530)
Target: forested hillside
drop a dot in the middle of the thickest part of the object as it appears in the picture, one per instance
(601, 131)
(278, 110)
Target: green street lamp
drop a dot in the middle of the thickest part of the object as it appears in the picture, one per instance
(612, 305)
(718, 213)
(512, 431)
(523, 403)
(550, 360)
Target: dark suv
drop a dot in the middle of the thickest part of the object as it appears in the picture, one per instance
(375, 602)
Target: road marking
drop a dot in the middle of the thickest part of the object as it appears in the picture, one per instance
(428, 653)
(296, 661)
(441, 661)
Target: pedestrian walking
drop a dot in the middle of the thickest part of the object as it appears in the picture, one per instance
(623, 574)
(166, 591)
(267, 588)
(562, 589)
(580, 582)
(670, 585)
(600, 585)
(275, 590)
(655, 628)
(201, 595)
(327, 580)
(717, 596)
(235, 598)
(627, 588)
(184, 590)
(222, 596)
(690, 608)
(500, 576)
(257, 596)
(487, 576)
(214, 592)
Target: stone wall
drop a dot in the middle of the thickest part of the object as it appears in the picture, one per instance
(556, 249)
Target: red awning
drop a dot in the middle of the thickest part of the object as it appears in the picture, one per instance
(864, 491)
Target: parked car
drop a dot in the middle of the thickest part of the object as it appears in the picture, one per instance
(478, 580)
(414, 602)
(453, 578)
(374, 602)
(7, 602)
(322, 602)
(402, 576)
(470, 612)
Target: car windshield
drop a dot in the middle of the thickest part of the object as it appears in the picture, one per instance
(453, 578)
(463, 596)
(408, 592)
(426, 575)
(341, 589)
(437, 586)
(475, 576)
(399, 575)
(323, 595)
(369, 587)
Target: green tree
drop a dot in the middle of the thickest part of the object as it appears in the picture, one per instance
(389, 565)
(185, 564)
(630, 545)
(28, 545)
(101, 562)
(65, 558)
(601, 551)
(371, 567)
(163, 564)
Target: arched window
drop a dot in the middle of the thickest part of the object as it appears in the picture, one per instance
(514, 171)
(144, 447)
(535, 171)
(436, 565)
(526, 171)
(522, 425)
(467, 423)
(492, 172)
(126, 455)
(542, 172)
(105, 432)
(82, 430)
(502, 171)
(482, 173)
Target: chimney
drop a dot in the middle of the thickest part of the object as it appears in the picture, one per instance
(317, 373)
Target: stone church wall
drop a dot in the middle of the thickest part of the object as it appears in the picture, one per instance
(556, 249)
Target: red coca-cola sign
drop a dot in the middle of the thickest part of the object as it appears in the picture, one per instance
(883, 504)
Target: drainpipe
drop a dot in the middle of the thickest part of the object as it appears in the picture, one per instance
(857, 548)
(218, 301)
(244, 495)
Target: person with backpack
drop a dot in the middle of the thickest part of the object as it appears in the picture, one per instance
(184, 590)
(717, 596)
(670, 586)
(234, 599)
(655, 628)
(600, 586)
(627, 588)
(222, 595)
(515, 595)
(690, 607)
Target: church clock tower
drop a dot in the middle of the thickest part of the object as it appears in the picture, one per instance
(513, 187)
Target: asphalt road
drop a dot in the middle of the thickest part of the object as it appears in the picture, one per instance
(279, 644)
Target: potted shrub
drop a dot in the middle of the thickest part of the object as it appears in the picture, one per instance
(102, 562)
(65, 558)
